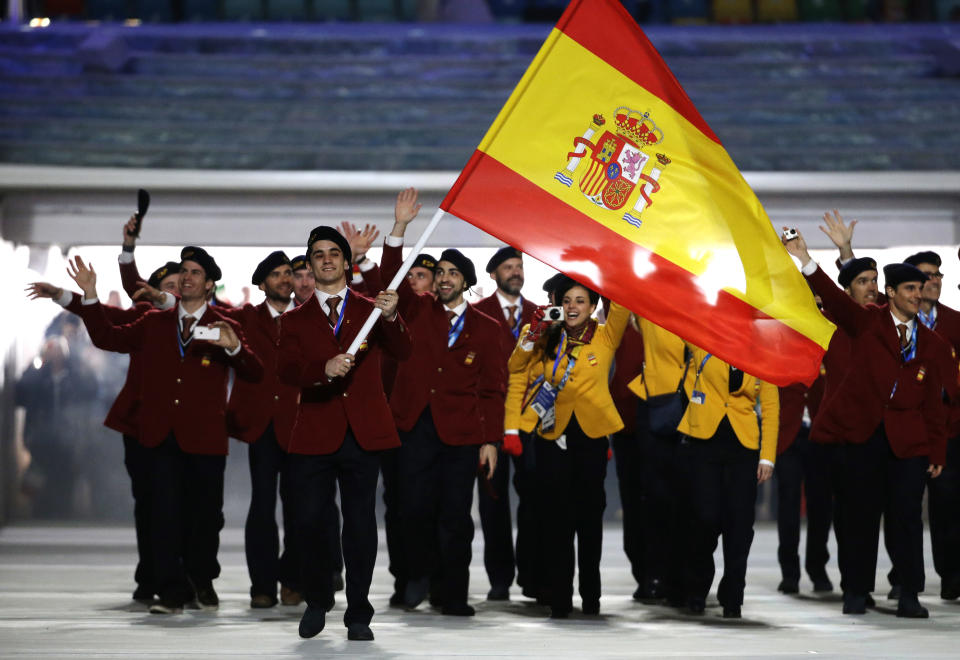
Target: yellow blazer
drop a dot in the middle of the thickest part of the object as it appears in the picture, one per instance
(701, 420)
(662, 361)
(586, 393)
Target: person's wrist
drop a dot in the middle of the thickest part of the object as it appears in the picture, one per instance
(359, 259)
(128, 247)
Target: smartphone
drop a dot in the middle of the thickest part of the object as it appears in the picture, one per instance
(206, 332)
(553, 314)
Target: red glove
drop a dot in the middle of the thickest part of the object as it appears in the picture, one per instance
(537, 326)
(512, 444)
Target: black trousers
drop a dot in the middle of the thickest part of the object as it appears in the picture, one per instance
(312, 481)
(497, 525)
(136, 458)
(389, 468)
(944, 513)
(879, 483)
(628, 457)
(801, 472)
(266, 565)
(186, 518)
(570, 485)
(436, 496)
(723, 482)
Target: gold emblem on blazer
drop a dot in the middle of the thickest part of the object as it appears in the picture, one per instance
(920, 374)
(205, 361)
(469, 359)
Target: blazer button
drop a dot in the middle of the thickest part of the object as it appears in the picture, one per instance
(276, 397)
(179, 381)
(432, 391)
(176, 402)
(439, 369)
(346, 394)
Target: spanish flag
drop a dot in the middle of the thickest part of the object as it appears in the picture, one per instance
(600, 166)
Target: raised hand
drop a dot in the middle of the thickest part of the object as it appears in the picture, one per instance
(407, 207)
(839, 233)
(128, 229)
(149, 294)
(38, 290)
(360, 241)
(387, 302)
(228, 338)
(796, 247)
(84, 275)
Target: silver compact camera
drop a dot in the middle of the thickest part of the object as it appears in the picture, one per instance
(206, 332)
(553, 314)
(790, 234)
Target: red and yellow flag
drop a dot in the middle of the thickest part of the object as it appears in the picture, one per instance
(600, 166)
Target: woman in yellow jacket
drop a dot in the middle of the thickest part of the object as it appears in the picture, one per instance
(727, 451)
(558, 388)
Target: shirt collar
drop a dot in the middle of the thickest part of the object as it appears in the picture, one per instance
(274, 313)
(458, 310)
(322, 297)
(504, 303)
(197, 314)
(909, 323)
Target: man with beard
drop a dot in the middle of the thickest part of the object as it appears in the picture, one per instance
(262, 414)
(889, 413)
(343, 422)
(182, 421)
(450, 414)
(303, 282)
(512, 311)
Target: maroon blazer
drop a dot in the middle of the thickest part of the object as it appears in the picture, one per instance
(627, 365)
(388, 366)
(327, 408)
(254, 405)
(491, 307)
(464, 385)
(184, 394)
(913, 414)
(122, 416)
(948, 328)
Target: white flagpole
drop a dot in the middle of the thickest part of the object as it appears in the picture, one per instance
(407, 264)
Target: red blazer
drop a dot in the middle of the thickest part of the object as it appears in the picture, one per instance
(254, 405)
(464, 385)
(327, 408)
(183, 394)
(914, 416)
(627, 365)
(948, 328)
(491, 307)
(122, 416)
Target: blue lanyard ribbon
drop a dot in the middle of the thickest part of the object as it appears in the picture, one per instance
(929, 320)
(556, 363)
(703, 363)
(909, 351)
(454, 332)
(516, 324)
(343, 308)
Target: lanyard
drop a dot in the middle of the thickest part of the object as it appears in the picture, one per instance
(910, 350)
(556, 363)
(516, 324)
(929, 320)
(180, 344)
(454, 332)
(343, 308)
(703, 363)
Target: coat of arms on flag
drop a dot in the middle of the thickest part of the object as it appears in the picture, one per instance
(616, 162)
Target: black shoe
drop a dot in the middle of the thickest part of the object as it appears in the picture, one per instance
(559, 612)
(396, 600)
(650, 591)
(733, 612)
(498, 592)
(359, 632)
(909, 607)
(696, 605)
(822, 585)
(262, 601)
(207, 598)
(143, 595)
(458, 610)
(854, 604)
(337, 581)
(895, 592)
(416, 591)
(639, 595)
(529, 592)
(789, 586)
(591, 607)
(869, 601)
(166, 607)
(312, 621)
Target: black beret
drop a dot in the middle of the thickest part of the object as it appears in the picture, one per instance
(265, 267)
(924, 258)
(199, 255)
(502, 255)
(551, 284)
(850, 270)
(167, 269)
(299, 262)
(425, 260)
(464, 265)
(896, 274)
(565, 286)
(326, 233)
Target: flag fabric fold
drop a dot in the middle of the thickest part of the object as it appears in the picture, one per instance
(600, 166)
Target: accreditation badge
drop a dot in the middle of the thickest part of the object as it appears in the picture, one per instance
(698, 397)
(543, 405)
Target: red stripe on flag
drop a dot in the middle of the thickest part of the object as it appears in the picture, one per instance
(608, 31)
(557, 234)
